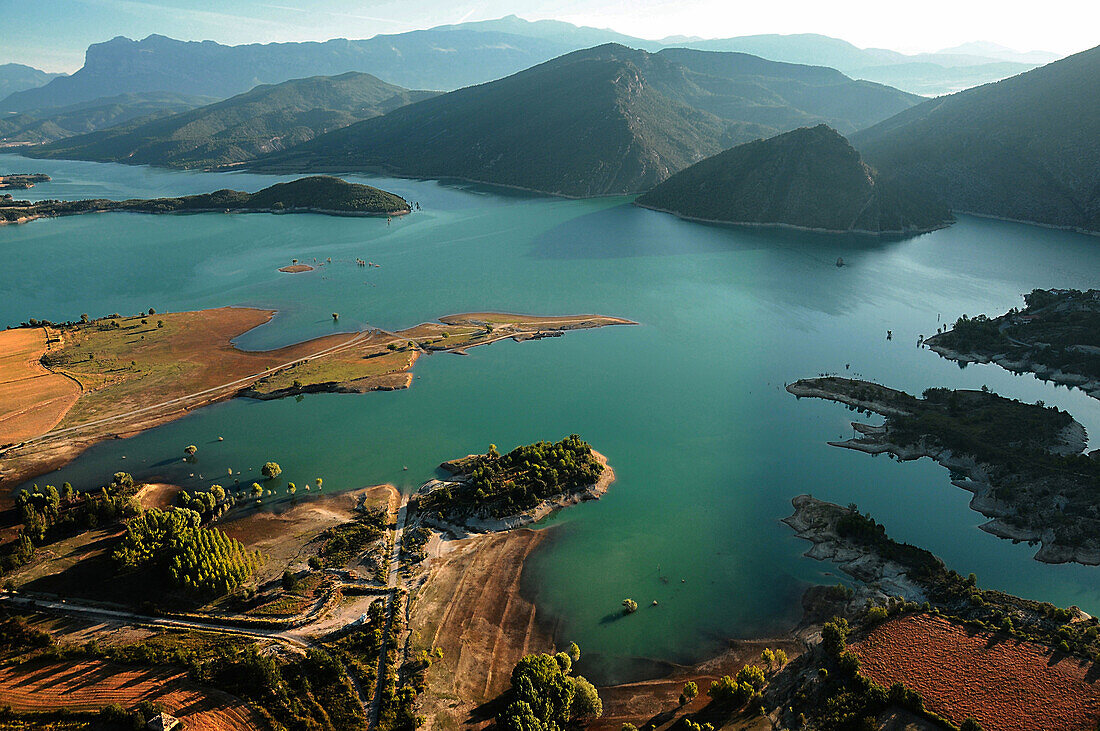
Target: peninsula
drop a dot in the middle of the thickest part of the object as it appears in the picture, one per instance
(94, 378)
(1023, 462)
(1056, 336)
(314, 194)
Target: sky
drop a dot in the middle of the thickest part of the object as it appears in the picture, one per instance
(53, 34)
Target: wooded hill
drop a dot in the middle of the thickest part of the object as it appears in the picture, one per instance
(1025, 148)
(265, 119)
(810, 177)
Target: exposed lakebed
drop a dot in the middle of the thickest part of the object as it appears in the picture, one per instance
(689, 407)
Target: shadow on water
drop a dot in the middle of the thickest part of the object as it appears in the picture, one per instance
(623, 230)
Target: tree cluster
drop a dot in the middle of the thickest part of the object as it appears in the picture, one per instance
(545, 697)
(173, 542)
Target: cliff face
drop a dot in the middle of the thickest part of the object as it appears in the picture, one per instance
(810, 178)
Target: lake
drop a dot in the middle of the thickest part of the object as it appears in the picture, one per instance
(688, 406)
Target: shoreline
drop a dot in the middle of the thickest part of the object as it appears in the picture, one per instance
(1090, 386)
(796, 227)
(965, 473)
(281, 211)
(46, 452)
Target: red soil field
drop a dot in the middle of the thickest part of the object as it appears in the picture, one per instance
(1003, 683)
(92, 684)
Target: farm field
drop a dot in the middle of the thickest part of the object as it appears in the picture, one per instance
(92, 684)
(32, 399)
(1003, 683)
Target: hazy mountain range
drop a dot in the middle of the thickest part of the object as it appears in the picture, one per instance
(450, 57)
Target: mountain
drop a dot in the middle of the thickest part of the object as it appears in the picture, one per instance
(46, 125)
(600, 121)
(17, 77)
(443, 58)
(809, 178)
(428, 59)
(996, 51)
(266, 119)
(924, 73)
(1024, 148)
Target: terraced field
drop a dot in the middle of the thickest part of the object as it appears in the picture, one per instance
(92, 684)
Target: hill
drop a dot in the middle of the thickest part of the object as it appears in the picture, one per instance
(17, 77)
(266, 119)
(46, 125)
(317, 194)
(810, 178)
(600, 121)
(1024, 148)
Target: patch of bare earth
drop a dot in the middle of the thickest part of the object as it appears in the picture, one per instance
(91, 684)
(1003, 683)
(470, 605)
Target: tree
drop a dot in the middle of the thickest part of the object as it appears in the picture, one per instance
(271, 470)
(290, 581)
(691, 689)
(190, 450)
(84, 318)
(319, 482)
(629, 606)
(834, 636)
(291, 488)
(539, 683)
(564, 662)
(257, 491)
(574, 652)
(586, 700)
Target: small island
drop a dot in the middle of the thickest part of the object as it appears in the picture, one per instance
(1023, 462)
(315, 194)
(22, 181)
(1056, 336)
(810, 178)
(493, 492)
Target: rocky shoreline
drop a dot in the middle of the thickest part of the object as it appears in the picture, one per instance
(966, 473)
(1091, 386)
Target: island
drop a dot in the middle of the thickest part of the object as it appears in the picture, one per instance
(1024, 463)
(92, 379)
(22, 181)
(1056, 336)
(315, 194)
(809, 178)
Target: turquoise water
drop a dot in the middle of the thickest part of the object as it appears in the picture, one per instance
(689, 405)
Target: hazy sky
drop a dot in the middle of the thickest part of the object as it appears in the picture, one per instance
(53, 34)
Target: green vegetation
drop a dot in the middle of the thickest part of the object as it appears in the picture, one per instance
(1058, 330)
(810, 177)
(341, 543)
(320, 193)
(175, 546)
(499, 486)
(629, 606)
(239, 129)
(545, 697)
(1027, 452)
(643, 116)
(1022, 148)
(47, 124)
(271, 470)
(52, 515)
(957, 597)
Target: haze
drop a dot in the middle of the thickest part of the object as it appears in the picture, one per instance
(55, 36)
